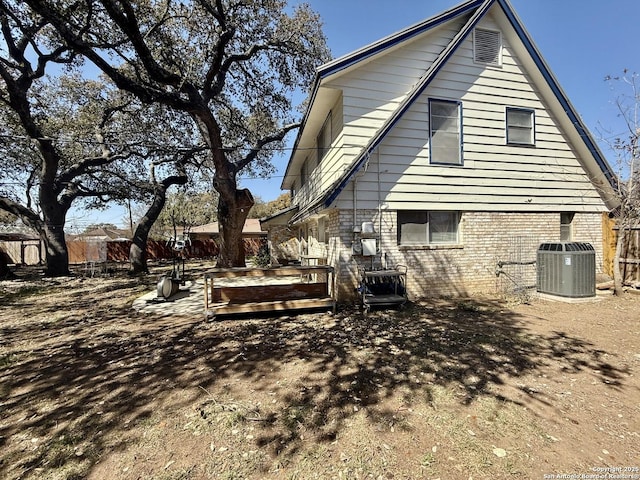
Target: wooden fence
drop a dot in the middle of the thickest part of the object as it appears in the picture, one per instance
(81, 251)
(630, 257)
(31, 252)
(23, 252)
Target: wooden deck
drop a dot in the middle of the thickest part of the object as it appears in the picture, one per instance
(252, 290)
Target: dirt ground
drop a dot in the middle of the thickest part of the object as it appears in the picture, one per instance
(448, 389)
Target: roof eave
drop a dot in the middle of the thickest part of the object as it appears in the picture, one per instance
(344, 62)
(394, 39)
(420, 87)
(562, 98)
(314, 93)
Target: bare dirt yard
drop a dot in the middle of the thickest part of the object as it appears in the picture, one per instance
(448, 389)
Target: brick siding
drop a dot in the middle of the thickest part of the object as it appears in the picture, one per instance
(471, 267)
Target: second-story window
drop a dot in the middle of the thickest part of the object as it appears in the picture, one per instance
(304, 173)
(445, 142)
(324, 138)
(520, 126)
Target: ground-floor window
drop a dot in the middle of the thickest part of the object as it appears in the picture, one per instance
(427, 228)
(566, 226)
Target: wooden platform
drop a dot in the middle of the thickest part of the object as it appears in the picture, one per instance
(255, 290)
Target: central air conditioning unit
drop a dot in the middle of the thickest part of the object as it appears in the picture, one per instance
(567, 269)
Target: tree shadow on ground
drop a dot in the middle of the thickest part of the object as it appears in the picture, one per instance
(81, 380)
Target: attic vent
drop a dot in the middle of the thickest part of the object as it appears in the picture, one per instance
(487, 45)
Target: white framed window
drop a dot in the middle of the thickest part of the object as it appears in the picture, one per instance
(445, 132)
(324, 137)
(566, 226)
(520, 126)
(428, 228)
(487, 47)
(322, 230)
(304, 173)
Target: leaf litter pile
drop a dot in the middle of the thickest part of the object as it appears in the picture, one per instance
(450, 389)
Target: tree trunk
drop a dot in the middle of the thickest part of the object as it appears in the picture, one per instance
(138, 249)
(56, 253)
(138, 254)
(232, 213)
(233, 204)
(5, 271)
(618, 281)
(50, 229)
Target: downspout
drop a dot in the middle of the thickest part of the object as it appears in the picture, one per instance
(382, 257)
(355, 203)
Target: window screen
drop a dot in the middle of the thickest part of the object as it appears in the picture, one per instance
(444, 142)
(520, 126)
(566, 226)
(324, 138)
(443, 227)
(427, 228)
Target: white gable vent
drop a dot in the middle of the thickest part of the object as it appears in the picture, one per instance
(486, 46)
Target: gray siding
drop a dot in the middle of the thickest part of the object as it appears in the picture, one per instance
(495, 176)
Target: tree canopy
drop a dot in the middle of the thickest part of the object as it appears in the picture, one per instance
(68, 138)
(234, 66)
(45, 124)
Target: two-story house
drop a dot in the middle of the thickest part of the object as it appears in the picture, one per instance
(452, 145)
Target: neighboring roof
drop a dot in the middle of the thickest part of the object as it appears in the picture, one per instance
(251, 227)
(477, 9)
(104, 234)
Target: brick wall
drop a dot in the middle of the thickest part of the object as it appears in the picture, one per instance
(486, 238)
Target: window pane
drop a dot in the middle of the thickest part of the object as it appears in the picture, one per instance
(444, 109)
(445, 132)
(324, 138)
(519, 126)
(412, 228)
(445, 140)
(443, 227)
(520, 135)
(448, 124)
(413, 234)
(518, 118)
(445, 148)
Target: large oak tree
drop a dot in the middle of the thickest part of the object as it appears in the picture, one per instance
(69, 139)
(232, 65)
(45, 167)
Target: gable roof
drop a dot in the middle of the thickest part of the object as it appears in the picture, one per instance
(476, 9)
(102, 233)
(251, 227)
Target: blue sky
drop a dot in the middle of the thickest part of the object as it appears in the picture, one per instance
(582, 41)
